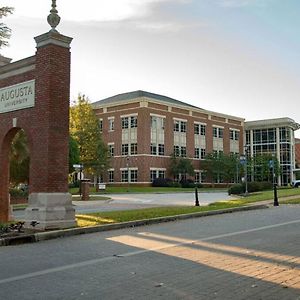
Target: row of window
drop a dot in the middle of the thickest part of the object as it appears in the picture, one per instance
(179, 126)
(157, 149)
(266, 136)
(132, 175)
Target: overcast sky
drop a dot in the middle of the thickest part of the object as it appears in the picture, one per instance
(239, 57)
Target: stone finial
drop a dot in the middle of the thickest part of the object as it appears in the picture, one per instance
(53, 19)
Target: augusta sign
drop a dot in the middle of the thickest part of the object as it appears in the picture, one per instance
(17, 96)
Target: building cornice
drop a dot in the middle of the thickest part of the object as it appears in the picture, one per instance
(268, 123)
(18, 67)
(188, 108)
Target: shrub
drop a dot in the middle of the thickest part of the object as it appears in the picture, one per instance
(162, 182)
(175, 184)
(188, 183)
(236, 189)
(199, 185)
(266, 185)
(253, 186)
(16, 192)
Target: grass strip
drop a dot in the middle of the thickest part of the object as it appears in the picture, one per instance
(110, 217)
(292, 201)
(148, 190)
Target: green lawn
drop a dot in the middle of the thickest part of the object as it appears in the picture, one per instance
(143, 190)
(266, 195)
(293, 201)
(140, 214)
(148, 213)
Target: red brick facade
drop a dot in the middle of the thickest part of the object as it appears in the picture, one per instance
(143, 108)
(46, 124)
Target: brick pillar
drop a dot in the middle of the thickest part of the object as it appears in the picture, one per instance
(85, 189)
(49, 201)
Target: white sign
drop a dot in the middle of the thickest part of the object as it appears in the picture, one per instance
(18, 96)
(76, 166)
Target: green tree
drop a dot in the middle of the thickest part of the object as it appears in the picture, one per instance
(85, 129)
(74, 157)
(19, 159)
(4, 30)
(181, 165)
(261, 168)
(221, 167)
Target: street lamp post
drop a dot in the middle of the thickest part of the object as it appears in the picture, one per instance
(243, 162)
(246, 170)
(272, 166)
(127, 166)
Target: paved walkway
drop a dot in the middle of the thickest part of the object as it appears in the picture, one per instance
(139, 201)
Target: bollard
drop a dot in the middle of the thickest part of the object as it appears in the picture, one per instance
(276, 203)
(196, 197)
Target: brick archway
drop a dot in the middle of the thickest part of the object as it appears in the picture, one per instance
(34, 96)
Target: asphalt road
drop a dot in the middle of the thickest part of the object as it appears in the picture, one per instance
(139, 201)
(245, 255)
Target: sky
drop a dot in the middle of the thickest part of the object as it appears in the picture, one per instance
(238, 57)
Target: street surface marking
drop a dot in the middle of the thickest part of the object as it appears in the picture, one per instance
(155, 246)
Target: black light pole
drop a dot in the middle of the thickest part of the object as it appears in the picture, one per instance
(276, 203)
(246, 170)
(127, 166)
(196, 197)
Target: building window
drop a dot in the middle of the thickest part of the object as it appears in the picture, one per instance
(197, 177)
(125, 149)
(176, 151)
(203, 130)
(161, 149)
(100, 122)
(202, 153)
(179, 126)
(133, 122)
(197, 153)
(110, 176)
(221, 133)
(234, 135)
(124, 122)
(197, 129)
(153, 149)
(176, 126)
(215, 132)
(161, 173)
(111, 124)
(152, 175)
(111, 149)
(133, 175)
(183, 151)
(182, 126)
(154, 122)
(124, 175)
(157, 174)
(180, 151)
(218, 132)
(133, 148)
(157, 122)
(200, 129)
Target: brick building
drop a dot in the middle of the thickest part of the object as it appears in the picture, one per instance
(143, 130)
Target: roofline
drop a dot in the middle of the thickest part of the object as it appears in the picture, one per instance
(267, 123)
(177, 104)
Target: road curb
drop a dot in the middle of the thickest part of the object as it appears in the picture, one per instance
(47, 235)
